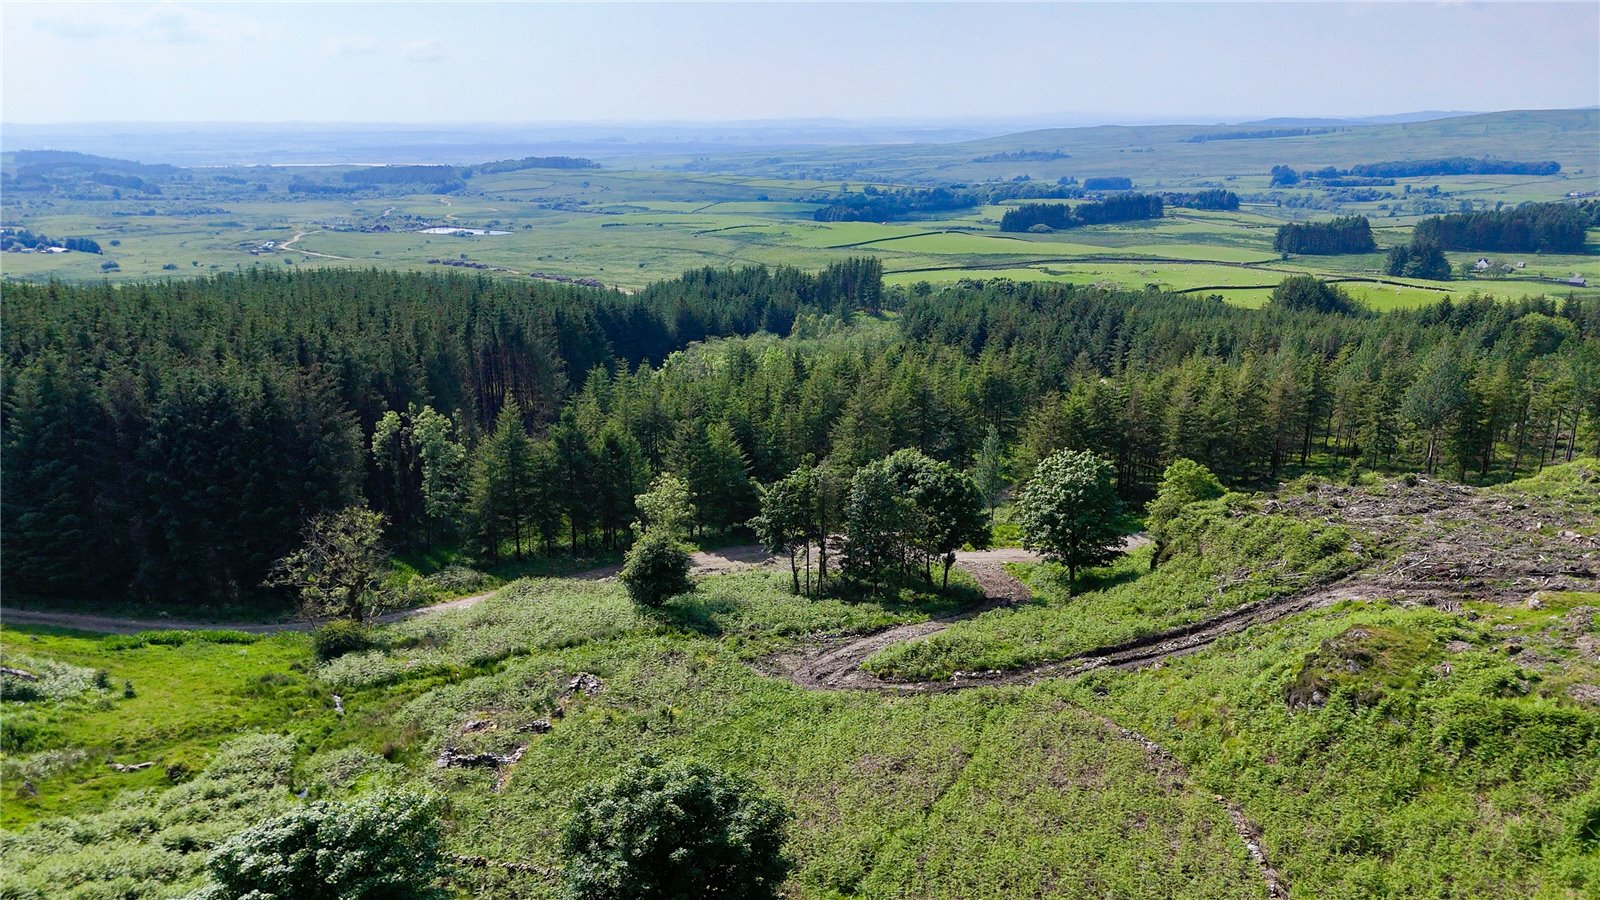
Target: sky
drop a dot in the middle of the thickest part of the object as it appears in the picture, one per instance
(574, 63)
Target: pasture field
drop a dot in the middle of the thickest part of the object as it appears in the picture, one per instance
(640, 220)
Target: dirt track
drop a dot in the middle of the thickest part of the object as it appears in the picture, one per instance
(837, 666)
(703, 562)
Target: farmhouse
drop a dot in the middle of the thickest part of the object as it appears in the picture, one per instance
(1482, 263)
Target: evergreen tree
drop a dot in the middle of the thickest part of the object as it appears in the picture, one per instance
(989, 469)
(503, 489)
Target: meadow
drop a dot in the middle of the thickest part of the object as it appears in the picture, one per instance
(642, 219)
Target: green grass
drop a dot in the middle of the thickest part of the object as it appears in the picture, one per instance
(1574, 483)
(189, 695)
(636, 222)
(1436, 766)
(867, 779)
(1219, 559)
(1399, 781)
(875, 787)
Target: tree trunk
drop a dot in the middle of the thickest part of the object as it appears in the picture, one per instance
(808, 568)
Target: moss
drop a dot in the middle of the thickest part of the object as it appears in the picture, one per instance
(1363, 665)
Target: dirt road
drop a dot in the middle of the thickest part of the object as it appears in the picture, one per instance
(703, 562)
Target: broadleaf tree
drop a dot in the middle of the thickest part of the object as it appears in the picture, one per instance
(1068, 511)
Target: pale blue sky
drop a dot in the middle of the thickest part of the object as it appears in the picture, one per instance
(527, 62)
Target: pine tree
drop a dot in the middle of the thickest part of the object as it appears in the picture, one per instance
(989, 469)
(502, 484)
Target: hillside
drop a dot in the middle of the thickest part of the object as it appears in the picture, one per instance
(1433, 730)
(1167, 154)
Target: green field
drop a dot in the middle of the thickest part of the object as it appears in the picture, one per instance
(640, 220)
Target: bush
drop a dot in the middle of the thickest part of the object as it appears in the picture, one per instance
(676, 830)
(384, 845)
(460, 580)
(656, 570)
(17, 689)
(1183, 483)
(339, 637)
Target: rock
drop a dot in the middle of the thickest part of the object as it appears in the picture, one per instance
(1457, 647)
(1585, 693)
(18, 673)
(586, 684)
(540, 726)
(476, 725)
(1534, 602)
(131, 767)
(449, 758)
(1581, 619)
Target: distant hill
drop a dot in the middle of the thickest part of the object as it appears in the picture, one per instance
(1395, 119)
(1168, 156)
(48, 162)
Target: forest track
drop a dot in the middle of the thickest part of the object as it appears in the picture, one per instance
(121, 625)
(1442, 543)
(837, 666)
(702, 562)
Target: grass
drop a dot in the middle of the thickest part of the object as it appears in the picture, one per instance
(1434, 766)
(638, 221)
(189, 694)
(1400, 781)
(866, 779)
(1382, 750)
(1220, 559)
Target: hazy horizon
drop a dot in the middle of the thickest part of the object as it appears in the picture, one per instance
(690, 64)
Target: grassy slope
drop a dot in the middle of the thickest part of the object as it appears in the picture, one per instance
(896, 797)
(1222, 558)
(1434, 769)
(1384, 751)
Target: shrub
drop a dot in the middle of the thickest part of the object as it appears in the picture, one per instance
(383, 845)
(675, 830)
(339, 637)
(656, 570)
(18, 689)
(460, 580)
(1183, 483)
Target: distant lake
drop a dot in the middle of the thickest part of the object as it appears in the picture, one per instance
(446, 229)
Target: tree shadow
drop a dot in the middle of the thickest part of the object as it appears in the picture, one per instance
(1089, 580)
(694, 612)
(909, 595)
